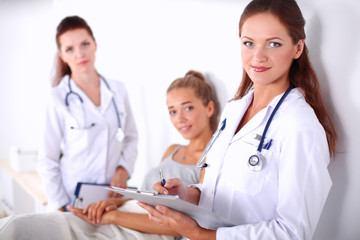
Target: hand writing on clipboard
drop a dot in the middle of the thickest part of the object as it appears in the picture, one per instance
(173, 187)
(159, 206)
(181, 223)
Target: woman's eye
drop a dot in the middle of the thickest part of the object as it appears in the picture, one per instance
(86, 44)
(69, 49)
(274, 44)
(189, 108)
(248, 44)
(172, 113)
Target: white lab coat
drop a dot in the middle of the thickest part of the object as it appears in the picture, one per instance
(284, 200)
(91, 154)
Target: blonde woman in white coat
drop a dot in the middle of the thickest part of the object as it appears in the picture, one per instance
(88, 121)
(271, 184)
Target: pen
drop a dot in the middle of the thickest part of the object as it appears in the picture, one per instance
(162, 179)
(267, 146)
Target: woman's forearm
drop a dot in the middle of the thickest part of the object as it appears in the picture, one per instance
(192, 195)
(120, 201)
(139, 222)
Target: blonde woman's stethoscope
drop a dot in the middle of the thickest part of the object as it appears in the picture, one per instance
(119, 133)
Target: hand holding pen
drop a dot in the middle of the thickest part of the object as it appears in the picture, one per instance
(174, 186)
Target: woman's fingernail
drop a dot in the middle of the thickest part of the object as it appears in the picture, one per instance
(159, 208)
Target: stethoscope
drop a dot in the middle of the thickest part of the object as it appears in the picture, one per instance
(256, 162)
(119, 133)
(201, 162)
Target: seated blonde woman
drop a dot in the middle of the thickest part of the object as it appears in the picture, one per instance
(192, 109)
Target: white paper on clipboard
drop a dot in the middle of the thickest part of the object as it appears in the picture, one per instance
(86, 193)
(205, 218)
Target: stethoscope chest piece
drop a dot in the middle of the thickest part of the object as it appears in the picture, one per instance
(119, 135)
(256, 162)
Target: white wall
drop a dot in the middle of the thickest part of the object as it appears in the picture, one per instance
(147, 44)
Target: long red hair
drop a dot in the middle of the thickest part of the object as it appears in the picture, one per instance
(301, 73)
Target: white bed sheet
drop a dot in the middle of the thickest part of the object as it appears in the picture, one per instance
(66, 226)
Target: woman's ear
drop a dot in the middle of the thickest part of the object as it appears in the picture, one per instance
(299, 48)
(210, 108)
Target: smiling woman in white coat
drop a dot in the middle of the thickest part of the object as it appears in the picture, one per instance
(267, 167)
(89, 122)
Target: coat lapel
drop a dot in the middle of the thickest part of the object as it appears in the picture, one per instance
(232, 113)
(106, 96)
(254, 123)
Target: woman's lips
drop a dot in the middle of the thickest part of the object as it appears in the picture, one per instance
(260, 69)
(184, 129)
(83, 62)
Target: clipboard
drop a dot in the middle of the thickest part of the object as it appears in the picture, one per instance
(204, 217)
(86, 193)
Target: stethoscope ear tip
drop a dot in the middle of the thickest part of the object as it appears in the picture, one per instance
(201, 162)
(223, 125)
(202, 166)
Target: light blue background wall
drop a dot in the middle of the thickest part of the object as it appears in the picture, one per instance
(147, 44)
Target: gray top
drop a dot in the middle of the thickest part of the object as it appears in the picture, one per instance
(189, 174)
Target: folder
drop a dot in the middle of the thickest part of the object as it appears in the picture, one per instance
(204, 217)
(86, 193)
